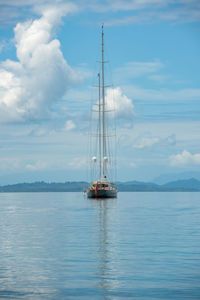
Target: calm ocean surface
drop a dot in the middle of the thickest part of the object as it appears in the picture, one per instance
(65, 246)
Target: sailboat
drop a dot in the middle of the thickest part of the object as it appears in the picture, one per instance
(102, 186)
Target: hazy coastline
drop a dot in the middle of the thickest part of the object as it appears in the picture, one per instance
(189, 185)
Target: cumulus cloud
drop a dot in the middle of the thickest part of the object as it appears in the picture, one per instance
(185, 158)
(119, 102)
(41, 75)
(149, 141)
(69, 125)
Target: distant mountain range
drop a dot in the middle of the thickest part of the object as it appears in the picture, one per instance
(191, 184)
(165, 178)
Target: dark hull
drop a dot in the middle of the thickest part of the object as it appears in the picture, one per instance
(102, 193)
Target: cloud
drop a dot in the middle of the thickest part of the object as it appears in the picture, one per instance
(40, 132)
(162, 94)
(158, 78)
(137, 69)
(77, 163)
(137, 18)
(38, 165)
(149, 141)
(19, 3)
(154, 11)
(119, 102)
(13, 11)
(3, 45)
(69, 125)
(146, 142)
(41, 75)
(185, 158)
(135, 4)
(143, 11)
(121, 5)
(9, 164)
(133, 165)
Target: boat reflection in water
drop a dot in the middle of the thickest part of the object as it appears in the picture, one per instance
(108, 258)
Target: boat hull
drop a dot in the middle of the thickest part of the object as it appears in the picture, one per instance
(102, 193)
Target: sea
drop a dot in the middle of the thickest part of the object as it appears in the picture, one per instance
(65, 246)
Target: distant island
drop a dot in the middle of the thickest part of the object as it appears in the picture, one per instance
(189, 185)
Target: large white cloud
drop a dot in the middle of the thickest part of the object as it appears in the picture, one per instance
(117, 104)
(41, 75)
(185, 159)
(117, 101)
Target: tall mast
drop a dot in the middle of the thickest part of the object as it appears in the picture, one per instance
(100, 133)
(103, 110)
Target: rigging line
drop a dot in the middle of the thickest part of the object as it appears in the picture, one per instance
(99, 125)
(103, 112)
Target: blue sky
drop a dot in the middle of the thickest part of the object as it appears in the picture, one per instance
(48, 54)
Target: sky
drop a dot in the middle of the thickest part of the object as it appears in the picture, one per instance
(48, 65)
